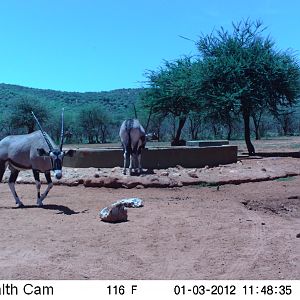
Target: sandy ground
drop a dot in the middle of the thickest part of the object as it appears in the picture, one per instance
(249, 230)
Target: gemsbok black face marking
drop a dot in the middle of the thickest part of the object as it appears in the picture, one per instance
(34, 151)
(133, 140)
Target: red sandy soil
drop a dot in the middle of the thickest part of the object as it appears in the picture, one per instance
(245, 230)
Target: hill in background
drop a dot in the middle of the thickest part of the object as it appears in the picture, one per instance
(119, 102)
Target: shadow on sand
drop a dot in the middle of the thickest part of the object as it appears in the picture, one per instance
(61, 209)
(144, 173)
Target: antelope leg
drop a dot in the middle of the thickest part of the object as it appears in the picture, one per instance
(11, 183)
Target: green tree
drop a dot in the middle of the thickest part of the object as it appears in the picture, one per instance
(243, 72)
(95, 123)
(171, 91)
(195, 122)
(21, 117)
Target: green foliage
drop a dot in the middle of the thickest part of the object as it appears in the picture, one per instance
(117, 103)
(21, 116)
(94, 123)
(172, 91)
(120, 101)
(243, 72)
(171, 88)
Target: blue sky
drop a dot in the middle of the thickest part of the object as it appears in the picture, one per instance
(100, 45)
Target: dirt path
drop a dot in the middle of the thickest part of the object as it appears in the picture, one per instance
(245, 231)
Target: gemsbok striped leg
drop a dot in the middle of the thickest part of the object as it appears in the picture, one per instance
(40, 197)
(38, 184)
(127, 155)
(2, 169)
(11, 183)
(49, 187)
(131, 163)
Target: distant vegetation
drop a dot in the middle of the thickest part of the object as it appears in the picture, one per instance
(239, 86)
(108, 107)
(239, 76)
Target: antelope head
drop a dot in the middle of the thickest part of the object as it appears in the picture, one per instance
(55, 153)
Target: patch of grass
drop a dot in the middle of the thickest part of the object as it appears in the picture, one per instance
(295, 146)
(207, 184)
(284, 179)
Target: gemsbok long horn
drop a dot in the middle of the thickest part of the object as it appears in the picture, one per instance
(43, 132)
(62, 133)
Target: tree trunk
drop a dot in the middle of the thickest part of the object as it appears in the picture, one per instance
(91, 139)
(194, 129)
(250, 147)
(158, 133)
(103, 135)
(195, 135)
(215, 130)
(176, 140)
(229, 131)
(257, 134)
(256, 127)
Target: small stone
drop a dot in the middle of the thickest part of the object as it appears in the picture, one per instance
(176, 174)
(139, 187)
(164, 173)
(264, 169)
(298, 235)
(114, 213)
(131, 202)
(192, 174)
(96, 175)
(154, 179)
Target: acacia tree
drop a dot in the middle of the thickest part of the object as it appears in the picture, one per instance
(243, 72)
(285, 119)
(171, 91)
(95, 123)
(195, 123)
(21, 116)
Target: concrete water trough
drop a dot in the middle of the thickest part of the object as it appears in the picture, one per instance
(156, 157)
(207, 143)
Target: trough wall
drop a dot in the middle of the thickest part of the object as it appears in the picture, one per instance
(207, 143)
(156, 158)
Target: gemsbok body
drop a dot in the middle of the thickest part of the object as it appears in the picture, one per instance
(35, 151)
(133, 140)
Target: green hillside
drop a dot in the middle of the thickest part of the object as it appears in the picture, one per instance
(119, 101)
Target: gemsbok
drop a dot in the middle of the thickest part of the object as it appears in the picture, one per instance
(34, 151)
(133, 140)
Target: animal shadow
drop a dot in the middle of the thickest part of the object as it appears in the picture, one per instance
(143, 173)
(61, 209)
